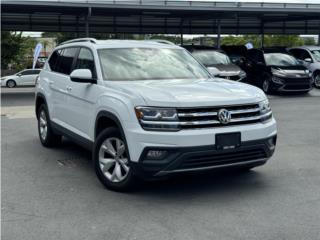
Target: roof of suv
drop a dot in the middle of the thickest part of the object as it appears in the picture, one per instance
(119, 43)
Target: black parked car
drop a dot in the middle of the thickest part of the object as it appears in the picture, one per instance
(275, 70)
(217, 62)
(236, 53)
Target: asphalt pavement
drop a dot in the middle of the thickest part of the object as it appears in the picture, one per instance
(54, 193)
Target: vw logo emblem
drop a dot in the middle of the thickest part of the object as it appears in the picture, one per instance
(224, 116)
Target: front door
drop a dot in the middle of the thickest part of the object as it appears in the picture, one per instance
(83, 96)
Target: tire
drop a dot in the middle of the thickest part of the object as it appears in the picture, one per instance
(266, 84)
(47, 137)
(317, 80)
(11, 83)
(111, 161)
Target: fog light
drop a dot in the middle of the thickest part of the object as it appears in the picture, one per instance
(272, 142)
(156, 154)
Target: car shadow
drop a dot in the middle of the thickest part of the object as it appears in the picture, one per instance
(214, 182)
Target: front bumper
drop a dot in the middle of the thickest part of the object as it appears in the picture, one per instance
(293, 85)
(186, 159)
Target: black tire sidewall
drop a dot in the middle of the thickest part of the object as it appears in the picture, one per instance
(268, 79)
(51, 139)
(10, 80)
(317, 74)
(128, 182)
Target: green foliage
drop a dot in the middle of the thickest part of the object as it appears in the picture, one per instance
(16, 50)
(269, 40)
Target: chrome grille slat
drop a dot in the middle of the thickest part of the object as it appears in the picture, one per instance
(197, 114)
(207, 117)
(245, 111)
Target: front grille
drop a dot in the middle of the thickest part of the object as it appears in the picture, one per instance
(190, 118)
(302, 81)
(198, 160)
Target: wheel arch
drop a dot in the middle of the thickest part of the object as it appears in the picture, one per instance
(106, 119)
(11, 79)
(40, 99)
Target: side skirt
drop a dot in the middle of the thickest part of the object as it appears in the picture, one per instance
(87, 144)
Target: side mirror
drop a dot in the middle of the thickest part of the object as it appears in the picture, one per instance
(308, 60)
(213, 71)
(19, 75)
(82, 76)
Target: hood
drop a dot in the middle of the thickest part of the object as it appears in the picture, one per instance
(291, 71)
(227, 69)
(191, 93)
(7, 77)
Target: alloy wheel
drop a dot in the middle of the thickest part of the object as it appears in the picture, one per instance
(43, 125)
(113, 159)
(266, 85)
(11, 84)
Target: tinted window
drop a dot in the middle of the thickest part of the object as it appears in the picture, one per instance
(65, 64)
(131, 64)
(53, 60)
(255, 55)
(85, 60)
(300, 54)
(27, 72)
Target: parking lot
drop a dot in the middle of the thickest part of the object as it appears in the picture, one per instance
(54, 193)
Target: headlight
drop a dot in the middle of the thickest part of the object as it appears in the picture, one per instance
(242, 74)
(152, 118)
(278, 72)
(277, 80)
(265, 110)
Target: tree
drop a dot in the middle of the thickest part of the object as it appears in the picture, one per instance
(16, 50)
(269, 40)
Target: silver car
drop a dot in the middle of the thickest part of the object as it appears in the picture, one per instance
(310, 56)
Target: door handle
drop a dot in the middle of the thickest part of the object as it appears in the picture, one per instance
(50, 82)
(69, 88)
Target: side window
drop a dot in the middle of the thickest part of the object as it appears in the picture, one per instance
(305, 55)
(36, 71)
(67, 57)
(255, 56)
(85, 60)
(295, 53)
(27, 72)
(53, 60)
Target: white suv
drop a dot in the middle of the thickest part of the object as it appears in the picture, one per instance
(148, 109)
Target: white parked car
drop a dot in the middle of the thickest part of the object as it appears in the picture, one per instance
(310, 56)
(149, 109)
(26, 77)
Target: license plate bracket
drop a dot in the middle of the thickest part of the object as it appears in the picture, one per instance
(225, 141)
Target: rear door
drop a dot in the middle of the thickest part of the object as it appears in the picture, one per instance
(61, 64)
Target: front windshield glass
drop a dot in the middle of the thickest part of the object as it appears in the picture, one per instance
(316, 54)
(208, 58)
(280, 59)
(130, 64)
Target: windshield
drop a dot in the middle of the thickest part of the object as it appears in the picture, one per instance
(208, 58)
(280, 59)
(316, 54)
(129, 64)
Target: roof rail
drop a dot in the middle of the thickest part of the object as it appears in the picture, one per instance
(93, 40)
(160, 41)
